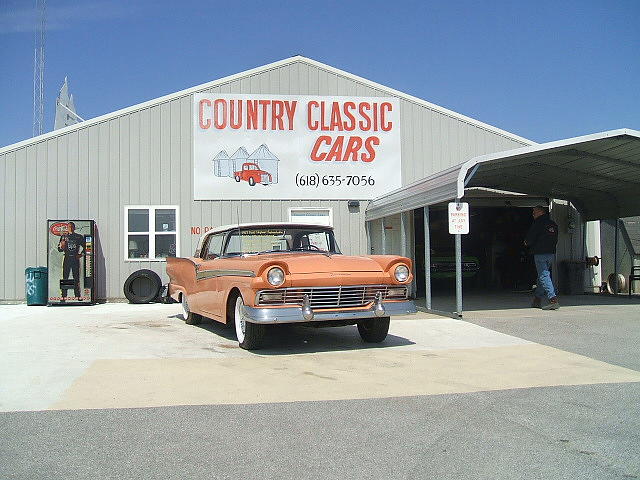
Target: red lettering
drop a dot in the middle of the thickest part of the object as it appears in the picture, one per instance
(263, 104)
(353, 147)
(323, 126)
(202, 103)
(375, 117)
(352, 121)
(277, 111)
(313, 125)
(195, 230)
(368, 144)
(361, 109)
(217, 103)
(290, 108)
(385, 107)
(318, 157)
(336, 150)
(232, 107)
(252, 114)
(336, 119)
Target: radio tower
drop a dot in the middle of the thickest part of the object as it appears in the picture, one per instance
(38, 69)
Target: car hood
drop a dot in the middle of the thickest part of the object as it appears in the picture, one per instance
(320, 263)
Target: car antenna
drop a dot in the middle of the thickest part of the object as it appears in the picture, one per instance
(239, 232)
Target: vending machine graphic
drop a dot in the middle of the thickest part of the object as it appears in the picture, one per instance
(70, 262)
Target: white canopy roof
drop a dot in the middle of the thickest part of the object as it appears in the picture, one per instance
(598, 173)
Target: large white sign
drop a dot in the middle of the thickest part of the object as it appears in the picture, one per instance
(280, 147)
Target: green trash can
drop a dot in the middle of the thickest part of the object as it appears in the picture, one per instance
(36, 285)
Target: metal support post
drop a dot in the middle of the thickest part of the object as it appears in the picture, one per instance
(459, 275)
(403, 234)
(427, 258)
(615, 258)
(384, 238)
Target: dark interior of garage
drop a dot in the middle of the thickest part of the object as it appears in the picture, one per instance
(493, 254)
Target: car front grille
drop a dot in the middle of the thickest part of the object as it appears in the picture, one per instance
(264, 178)
(332, 297)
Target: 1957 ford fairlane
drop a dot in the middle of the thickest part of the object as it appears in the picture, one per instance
(255, 275)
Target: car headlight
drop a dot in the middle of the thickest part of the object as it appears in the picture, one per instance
(401, 273)
(275, 276)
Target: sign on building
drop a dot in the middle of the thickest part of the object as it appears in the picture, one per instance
(280, 147)
(458, 218)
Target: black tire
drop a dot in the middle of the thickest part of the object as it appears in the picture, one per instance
(142, 286)
(250, 335)
(237, 178)
(374, 330)
(190, 318)
(252, 182)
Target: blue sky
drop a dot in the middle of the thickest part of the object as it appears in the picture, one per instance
(544, 70)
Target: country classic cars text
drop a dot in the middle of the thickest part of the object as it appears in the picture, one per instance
(331, 118)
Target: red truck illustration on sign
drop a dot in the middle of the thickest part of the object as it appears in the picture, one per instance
(259, 167)
(251, 173)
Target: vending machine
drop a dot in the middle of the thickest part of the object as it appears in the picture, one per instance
(70, 262)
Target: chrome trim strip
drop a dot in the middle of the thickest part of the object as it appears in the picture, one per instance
(294, 314)
(206, 274)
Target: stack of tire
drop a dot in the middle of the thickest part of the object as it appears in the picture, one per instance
(143, 286)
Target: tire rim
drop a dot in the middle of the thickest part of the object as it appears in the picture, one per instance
(185, 307)
(239, 320)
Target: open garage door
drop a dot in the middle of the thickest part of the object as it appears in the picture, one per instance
(599, 174)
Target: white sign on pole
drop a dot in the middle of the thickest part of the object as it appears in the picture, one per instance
(458, 218)
(283, 147)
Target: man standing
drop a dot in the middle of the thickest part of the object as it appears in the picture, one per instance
(542, 239)
(72, 244)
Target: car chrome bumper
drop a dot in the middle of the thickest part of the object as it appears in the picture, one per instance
(295, 314)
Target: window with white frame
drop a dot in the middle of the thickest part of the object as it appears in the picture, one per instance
(151, 232)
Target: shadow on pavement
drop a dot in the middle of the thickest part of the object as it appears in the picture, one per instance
(297, 339)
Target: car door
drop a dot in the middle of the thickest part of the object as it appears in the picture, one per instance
(208, 297)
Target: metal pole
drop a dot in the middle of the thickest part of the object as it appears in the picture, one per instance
(458, 268)
(384, 238)
(459, 275)
(427, 259)
(403, 235)
(615, 259)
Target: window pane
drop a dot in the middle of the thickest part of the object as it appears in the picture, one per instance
(138, 246)
(138, 220)
(165, 220)
(165, 246)
(215, 246)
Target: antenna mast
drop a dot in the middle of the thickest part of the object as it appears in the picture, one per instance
(38, 68)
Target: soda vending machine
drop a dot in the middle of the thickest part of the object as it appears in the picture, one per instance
(70, 262)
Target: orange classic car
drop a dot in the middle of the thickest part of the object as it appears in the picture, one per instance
(259, 274)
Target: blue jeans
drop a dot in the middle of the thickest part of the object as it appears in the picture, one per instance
(544, 286)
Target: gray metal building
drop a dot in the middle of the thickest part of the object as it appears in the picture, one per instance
(142, 156)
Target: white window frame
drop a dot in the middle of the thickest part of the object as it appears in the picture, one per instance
(151, 232)
(316, 209)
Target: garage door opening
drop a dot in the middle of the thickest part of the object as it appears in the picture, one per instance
(494, 258)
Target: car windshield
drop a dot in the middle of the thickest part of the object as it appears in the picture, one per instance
(247, 241)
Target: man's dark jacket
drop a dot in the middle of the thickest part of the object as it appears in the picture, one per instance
(542, 236)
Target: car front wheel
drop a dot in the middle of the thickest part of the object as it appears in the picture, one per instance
(250, 335)
(252, 181)
(374, 330)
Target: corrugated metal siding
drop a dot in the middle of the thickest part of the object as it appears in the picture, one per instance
(144, 157)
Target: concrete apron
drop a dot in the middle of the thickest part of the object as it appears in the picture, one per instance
(122, 356)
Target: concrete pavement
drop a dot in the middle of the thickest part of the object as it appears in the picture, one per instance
(504, 394)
